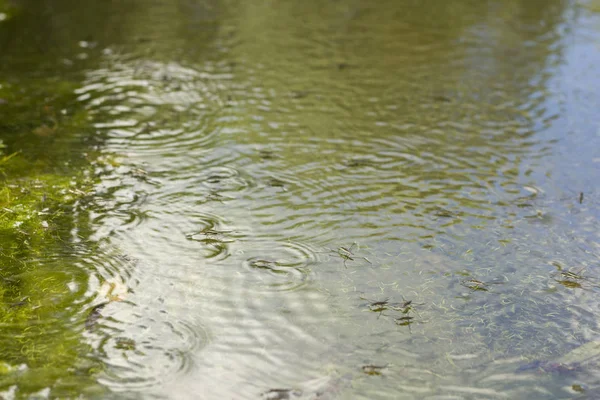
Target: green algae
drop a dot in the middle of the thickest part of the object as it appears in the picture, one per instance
(46, 187)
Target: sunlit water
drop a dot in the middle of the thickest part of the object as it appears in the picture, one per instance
(272, 169)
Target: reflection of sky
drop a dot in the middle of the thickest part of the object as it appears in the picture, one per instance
(577, 157)
(560, 95)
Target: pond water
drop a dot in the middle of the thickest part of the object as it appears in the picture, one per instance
(309, 200)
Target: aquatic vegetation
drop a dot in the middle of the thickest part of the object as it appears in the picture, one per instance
(46, 186)
(35, 220)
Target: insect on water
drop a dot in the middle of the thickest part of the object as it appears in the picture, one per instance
(346, 254)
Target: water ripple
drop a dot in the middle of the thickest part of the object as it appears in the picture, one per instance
(239, 163)
(283, 266)
(168, 344)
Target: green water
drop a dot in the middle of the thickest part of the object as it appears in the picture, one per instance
(299, 199)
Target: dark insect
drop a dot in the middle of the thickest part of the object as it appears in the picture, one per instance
(379, 306)
(373, 369)
(346, 254)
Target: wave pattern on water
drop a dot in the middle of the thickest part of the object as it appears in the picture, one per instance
(294, 204)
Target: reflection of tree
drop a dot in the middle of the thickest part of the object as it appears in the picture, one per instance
(447, 95)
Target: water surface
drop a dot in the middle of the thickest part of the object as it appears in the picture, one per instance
(334, 199)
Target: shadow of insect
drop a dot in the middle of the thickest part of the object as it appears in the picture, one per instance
(574, 280)
(475, 285)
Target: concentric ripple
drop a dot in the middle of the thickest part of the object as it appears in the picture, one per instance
(279, 266)
(147, 351)
(223, 179)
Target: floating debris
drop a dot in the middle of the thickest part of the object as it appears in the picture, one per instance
(113, 290)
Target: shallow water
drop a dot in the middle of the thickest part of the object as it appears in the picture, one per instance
(269, 170)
